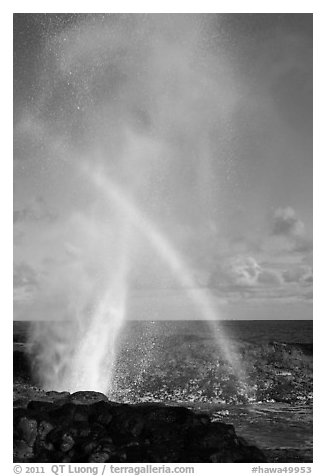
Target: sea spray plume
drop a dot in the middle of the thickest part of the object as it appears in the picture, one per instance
(85, 359)
(92, 362)
(200, 297)
(78, 353)
(149, 99)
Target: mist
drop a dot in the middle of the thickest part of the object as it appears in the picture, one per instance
(127, 111)
(131, 132)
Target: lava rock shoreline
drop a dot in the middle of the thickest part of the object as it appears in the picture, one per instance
(276, 372)
(87, 427)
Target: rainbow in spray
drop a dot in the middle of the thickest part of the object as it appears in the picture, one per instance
(145, 101)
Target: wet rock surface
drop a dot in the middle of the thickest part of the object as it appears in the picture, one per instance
(193, 370)
(86, 427)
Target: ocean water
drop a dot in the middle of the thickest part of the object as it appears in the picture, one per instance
(290, 331)
(256, 331)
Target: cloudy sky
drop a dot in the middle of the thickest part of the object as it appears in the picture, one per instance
(202, 123)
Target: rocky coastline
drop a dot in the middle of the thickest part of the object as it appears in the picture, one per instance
(186, 391)
(86, 427)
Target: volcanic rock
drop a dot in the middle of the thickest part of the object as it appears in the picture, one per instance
(86, 427)
(27, 428)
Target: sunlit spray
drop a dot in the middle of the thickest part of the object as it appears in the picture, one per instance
(200, 297)
(139, 98)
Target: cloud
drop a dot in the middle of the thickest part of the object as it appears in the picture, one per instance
(300, 274)
(244, 272)
(286, 223)
(269, 277)
(288, 236)
(248, 278)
